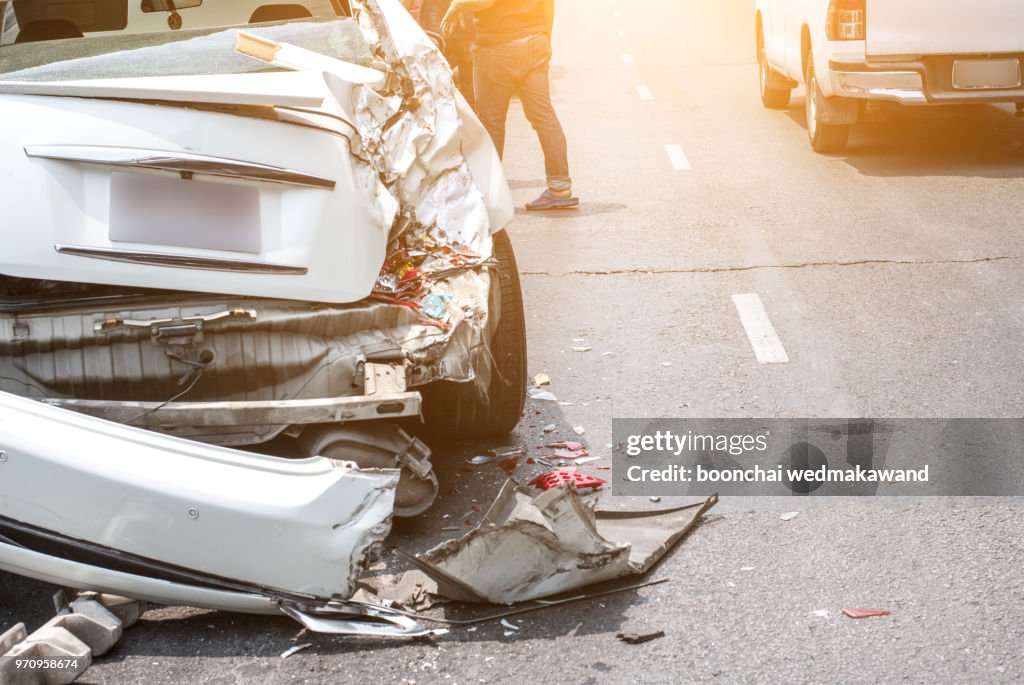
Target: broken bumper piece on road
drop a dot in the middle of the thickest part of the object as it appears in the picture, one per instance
(531, 546)
(173, 521)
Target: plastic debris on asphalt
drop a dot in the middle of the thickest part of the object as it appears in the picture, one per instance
(297, 648)
(566, 444)
(541, 379)
(638, 638)
(820, 613)
(542, 395)
(579, 430)
(582, 349)
(481, 459)
(856, 612)
(553, 479)
(789, 515)
(532, 545)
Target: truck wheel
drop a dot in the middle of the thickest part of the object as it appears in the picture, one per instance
(772, 95)
(456, 410)
(824, 137)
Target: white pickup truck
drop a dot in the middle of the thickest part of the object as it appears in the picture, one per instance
(913, 52)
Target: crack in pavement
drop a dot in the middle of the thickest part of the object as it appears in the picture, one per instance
(753, 267)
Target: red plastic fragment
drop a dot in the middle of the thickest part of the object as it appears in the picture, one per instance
(531, 460)
(509, 465)
(854, 612)
(553, 479)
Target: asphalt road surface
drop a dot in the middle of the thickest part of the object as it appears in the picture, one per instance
(892, 277)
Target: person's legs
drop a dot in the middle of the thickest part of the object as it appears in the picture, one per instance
(494, 82)
(535, 93)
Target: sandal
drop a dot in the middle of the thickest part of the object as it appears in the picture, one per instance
(549, 201)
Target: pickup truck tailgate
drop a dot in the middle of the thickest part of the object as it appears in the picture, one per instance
(932, 27)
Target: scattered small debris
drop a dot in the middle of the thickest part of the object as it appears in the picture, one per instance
(638, 638)
(604, 468)
(789, 515)
(820, 613)
(666, 363)
(579, 340)
(295, 649)
(567, 444)
(550, 428)
(542, 395)
(606, 354)
(855, 612)
(481, 459)
(747, 568)
(654, 498)
(579, 430)
(553, 479)
(509, 465)
(508, 624)
(541, 379)
(571, 454)
(582, 349)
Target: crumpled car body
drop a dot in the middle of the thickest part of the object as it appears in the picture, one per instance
(218, 239)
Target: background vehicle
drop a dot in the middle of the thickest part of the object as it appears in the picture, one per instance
(912, 52)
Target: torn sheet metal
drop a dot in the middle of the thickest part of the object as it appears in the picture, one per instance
(530, 546)
(121, 501)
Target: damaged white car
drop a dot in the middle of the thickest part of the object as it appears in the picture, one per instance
(285, 237)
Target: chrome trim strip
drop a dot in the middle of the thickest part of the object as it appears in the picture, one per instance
(180, 260)
(177, 161)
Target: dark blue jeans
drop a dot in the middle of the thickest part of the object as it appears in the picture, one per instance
(521, 67)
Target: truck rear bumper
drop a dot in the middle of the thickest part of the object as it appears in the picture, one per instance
(921, 81)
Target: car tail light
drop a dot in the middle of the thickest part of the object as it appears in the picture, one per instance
(845, 20)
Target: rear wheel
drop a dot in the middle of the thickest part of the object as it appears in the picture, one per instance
(772, 95)
(457, 410)
(824, 137)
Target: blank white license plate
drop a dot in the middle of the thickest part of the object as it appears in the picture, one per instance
(969, 74)
(162, 210)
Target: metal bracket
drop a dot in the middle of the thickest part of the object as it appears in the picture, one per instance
(356, 618)
(183, 331)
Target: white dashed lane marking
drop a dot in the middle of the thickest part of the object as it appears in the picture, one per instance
(644, 92)
(677, 157)
(767, 346)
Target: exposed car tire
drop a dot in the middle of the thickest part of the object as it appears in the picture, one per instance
(772, 96)
(457, 410)
(824, 137)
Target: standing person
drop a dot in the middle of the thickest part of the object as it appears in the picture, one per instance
(512, 54)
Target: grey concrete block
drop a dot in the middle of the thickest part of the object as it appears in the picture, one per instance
(91, 623)
(125, 608)
(55, 642)
(11, 637)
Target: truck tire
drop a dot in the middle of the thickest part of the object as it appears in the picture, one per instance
(824, 137)
(773, 96)
(456, 410)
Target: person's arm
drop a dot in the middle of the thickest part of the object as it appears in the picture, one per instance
(456, 14)
(549, 14)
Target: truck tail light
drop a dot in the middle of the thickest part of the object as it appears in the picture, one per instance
(845, 20)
